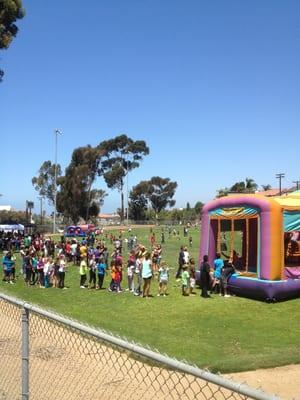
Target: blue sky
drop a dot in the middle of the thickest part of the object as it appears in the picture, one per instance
(212, 86)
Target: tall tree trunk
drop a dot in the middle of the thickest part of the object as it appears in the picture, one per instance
(122, 205)
(89, 201)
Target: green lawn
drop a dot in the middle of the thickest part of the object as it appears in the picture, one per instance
(222, 334)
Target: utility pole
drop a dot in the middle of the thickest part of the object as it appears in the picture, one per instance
(280, 176)
(297, 184)
(56, 132)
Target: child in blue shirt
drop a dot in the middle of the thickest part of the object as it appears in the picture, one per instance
(101, 270)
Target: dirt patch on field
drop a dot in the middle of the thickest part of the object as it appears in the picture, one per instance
(283, 381)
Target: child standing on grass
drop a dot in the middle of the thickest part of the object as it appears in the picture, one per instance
(118, 276)
(92, 272)
(138, 275)
(147, 273)
(205, 277)
(192, 273)
(83, 271)
(101, 268)
(163, 278)
(34, 262)
(130, 271)
(47, 272)
(185, 278)
(62, 272)
(54, 273)
(8, 264)
(40, 271)
(113, 268)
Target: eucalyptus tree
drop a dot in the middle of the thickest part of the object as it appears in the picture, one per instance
(138, 203)
(77, 198)
(44, 182)
(161, 193)
(120, 155)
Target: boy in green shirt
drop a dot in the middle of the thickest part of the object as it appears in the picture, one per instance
(82, 272)
(185, 279)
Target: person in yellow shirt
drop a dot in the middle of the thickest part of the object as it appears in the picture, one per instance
(83, 271)
(83, 250)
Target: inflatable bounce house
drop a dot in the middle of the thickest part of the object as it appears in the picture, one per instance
(262, 236)
(79, 230)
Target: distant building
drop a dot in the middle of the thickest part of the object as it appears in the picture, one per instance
(109, 219)
(274, 192)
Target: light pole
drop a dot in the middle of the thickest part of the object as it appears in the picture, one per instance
(127, 210)
(280, 176)
(56, 132)
(41, 208)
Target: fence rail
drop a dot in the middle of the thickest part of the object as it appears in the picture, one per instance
(47, 356)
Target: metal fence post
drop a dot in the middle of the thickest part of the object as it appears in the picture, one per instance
(25, 353)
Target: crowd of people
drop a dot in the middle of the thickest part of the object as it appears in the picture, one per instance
(44, 263)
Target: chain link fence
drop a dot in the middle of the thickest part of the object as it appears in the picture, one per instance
(46, 356)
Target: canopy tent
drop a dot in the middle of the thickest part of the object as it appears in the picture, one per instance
(290, 202)
(11, 227)
(291, 210)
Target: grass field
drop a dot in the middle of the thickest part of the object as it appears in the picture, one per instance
(222, 334)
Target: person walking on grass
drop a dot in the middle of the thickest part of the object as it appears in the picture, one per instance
(180, 263)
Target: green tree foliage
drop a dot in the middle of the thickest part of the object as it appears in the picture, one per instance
(266, 187)
(223, 192)
(198, 208)
(13, 217)
(44, 183)
(161, 192)
(88, 159)
(10, 12)
(120, 156)
(177, 215)
(251, 186)
(247, 186)
(138, 203)
(76, 198)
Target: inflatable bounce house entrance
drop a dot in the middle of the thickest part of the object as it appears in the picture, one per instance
(262, 235)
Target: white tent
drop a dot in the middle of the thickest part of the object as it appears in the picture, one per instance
(12, 227)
